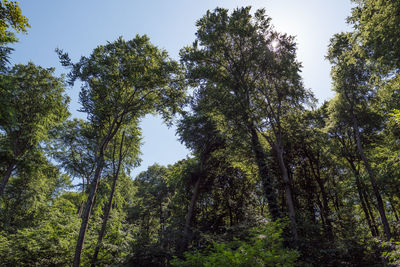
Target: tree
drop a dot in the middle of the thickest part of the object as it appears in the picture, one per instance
(32, 102)
(250, 74)
(351, 82)
(150, 212)
(122, 81)
(343, 146)
(127, 154)
(200, 134)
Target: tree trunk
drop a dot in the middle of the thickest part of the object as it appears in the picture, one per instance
(161, 233)
(325, 206)
(367, 211)
(325, 210)
(189, 216)
(364, 200)
(108, 207)
(93, 190)
(394, 209)
(372, 178)
(6, 177)
(371, 214)
(310, 196)
(288, 193)
(269, 189)
(88, 209)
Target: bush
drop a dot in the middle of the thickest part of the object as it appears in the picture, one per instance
(263, 248)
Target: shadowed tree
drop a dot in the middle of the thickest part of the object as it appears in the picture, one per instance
(249, 73)
(351, 75)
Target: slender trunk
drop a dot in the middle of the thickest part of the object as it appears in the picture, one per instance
(230, 216)
(288, 192)
(393, 209)
(364, 200)
(92, 192)
(325, 206)
(263, 172)
(371, 213)
(371, 174)
(108, 207)
(161, 233)
(6, 177)
(321, 208)
(87, 210)
(80, 208)
(367, 212)
(310, 196)
(336, 202)
(189, 216)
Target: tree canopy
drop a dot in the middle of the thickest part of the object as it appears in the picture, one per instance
(273, 178)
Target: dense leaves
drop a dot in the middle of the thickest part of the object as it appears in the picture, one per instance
(272, 179)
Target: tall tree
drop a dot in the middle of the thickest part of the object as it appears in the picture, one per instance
(214, 62)
(251, 74)
(122, 81)
(351, 75)
(200, 134)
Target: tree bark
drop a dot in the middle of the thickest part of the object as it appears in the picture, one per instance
(367, 211)
(189, 216)
(93, 190)
(161, 233)
(288, 193)
(260, 158)
(364, 200)
(325, 206)
(372, 178)
(394, 209)
(108, 207)
(371, 214)
(6, 177)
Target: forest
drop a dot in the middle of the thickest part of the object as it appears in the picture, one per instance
(273, 178)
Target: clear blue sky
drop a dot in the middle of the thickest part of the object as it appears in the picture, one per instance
(79, 26)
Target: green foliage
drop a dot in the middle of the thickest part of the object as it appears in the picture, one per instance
(10, 17)
(395, 117)
(376, 22)
(26, 198)
(392, 252)
(32, 102)
(127, 80)
(249, 106)
(49, 242)
(74, 146)
(264, 247)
